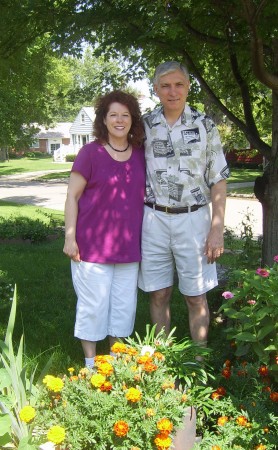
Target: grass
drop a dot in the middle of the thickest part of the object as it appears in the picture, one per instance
(8, 209)
(23, 165)
(243, 175)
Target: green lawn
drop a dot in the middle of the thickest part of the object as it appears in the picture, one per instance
(241, 175)
(16, 166)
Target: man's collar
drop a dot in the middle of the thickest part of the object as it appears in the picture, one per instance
(157, 117)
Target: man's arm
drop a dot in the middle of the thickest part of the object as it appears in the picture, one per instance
(215, 240)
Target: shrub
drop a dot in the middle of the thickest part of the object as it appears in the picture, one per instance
(37, 155)
(26, 228)
(70, 158)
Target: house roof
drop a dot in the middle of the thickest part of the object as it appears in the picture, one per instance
(89, 110)
(60, 130)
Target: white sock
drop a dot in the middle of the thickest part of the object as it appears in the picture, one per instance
(90, 362)
(113, 354)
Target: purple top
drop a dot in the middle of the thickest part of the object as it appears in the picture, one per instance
(110, 209)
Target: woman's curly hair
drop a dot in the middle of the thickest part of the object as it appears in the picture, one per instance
(102, 104)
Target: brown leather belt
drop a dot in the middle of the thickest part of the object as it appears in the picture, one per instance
(170, 210)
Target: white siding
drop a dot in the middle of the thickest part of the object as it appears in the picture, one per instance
(82, 128)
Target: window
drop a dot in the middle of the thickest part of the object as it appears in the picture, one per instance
(35, 144)
(82, 118)
(54, 147)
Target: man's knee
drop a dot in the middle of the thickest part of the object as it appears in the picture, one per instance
(161, 297)
(197, 301)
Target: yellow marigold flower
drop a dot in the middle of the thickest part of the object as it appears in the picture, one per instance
(118, 347)
(162, 441)
(27, 414)
(159, 356)
(131, 351)
(97, 380)
(71, 370)
(56, 434)
(143, 359)
(165, 426)
(100, 359)
(242, 421)
(150, 412)
(133, 395)
(221, 421)
(83, 372)
(121, 428)
(260, 447)
(168, 385)
(105, 369)
(53, 384)
(215, 447)
(133, 368)
(135, 448)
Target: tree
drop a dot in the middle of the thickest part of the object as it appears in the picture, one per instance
(231, 49)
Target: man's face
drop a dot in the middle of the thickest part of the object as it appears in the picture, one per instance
(172, 90)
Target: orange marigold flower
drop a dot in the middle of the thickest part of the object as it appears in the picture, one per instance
(274, 396)
(105, 369)
(266, 430)
(133, 395)
(150, 367)
(118, 347)
(215, 447)
(242, 373)
(221, 421)
(106, 386)
(162, 441)
(150, 412)
(221, 390)
(159, 356)
(121, 428)
(260, 447)
(227, 363)
(226, 373)
(263, 371)
(266, 389)
(215, 396)
(242, 421)
(165, 426)
(74, 378)
(184, 398)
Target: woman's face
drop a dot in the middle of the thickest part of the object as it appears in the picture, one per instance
(118, 121)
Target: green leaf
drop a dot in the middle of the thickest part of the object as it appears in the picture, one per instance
(249, 337)
(5, 424)
(265, 331)
(5, 439)
(5, 379)
(25, 445)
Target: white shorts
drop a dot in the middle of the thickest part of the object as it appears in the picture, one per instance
(176, 239)
(106, 299)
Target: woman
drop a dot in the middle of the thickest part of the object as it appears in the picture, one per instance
(103, 218)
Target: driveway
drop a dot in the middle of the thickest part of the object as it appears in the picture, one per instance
(52, 194)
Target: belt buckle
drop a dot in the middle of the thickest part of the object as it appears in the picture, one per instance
(166, 209)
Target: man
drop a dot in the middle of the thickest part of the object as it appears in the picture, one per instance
(186, 170)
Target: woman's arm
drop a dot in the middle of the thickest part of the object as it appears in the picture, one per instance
(76, 187)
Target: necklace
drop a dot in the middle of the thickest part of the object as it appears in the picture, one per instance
(116, 150)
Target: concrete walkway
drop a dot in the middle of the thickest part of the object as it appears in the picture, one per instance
(22, 188)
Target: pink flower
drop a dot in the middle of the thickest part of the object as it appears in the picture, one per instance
(251, 302)
(275, 258)
(227, 294)
(262, 272)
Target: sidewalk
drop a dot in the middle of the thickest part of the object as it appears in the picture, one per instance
(22, 188)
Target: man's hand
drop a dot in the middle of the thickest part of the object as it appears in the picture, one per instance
(214, 245)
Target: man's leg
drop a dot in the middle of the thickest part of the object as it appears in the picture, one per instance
(198, 313)
(160, 309)
(89, 348)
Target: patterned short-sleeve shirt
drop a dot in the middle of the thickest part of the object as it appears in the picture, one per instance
(183, 161)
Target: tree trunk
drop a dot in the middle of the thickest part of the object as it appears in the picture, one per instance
(270, 197)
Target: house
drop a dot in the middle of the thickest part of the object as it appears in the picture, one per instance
(47, 140)
(81, 131)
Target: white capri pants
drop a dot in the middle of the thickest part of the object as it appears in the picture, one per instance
(106, 299)
(176, 239)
